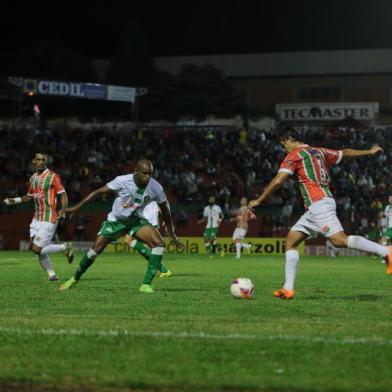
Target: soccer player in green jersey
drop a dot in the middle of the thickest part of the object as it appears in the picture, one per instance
(133, 192)
(213, 215)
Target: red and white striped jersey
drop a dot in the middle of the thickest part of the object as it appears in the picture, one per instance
(44, 188)
(244, 214)
(311, 165)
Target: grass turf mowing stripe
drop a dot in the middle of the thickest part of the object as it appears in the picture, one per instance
(370, 340)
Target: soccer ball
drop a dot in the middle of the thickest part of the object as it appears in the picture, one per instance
(242, 288)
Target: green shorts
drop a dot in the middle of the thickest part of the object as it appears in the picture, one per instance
(115, 230)
(212, 232)
(388, 233)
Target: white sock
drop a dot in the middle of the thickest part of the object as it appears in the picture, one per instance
(133, 243)
(52, 248)
(246, 246)
(238, 249)
(361, 243)
(292, 260)
(46, 264)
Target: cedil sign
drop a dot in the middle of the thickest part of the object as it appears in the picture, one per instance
(195, 245)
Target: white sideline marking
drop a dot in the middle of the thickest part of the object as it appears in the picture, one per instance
(371, 340)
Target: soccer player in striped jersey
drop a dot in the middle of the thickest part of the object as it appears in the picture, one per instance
(132, 193)
(244, 215)
(151, 212)
(311, 165)
(44, 187)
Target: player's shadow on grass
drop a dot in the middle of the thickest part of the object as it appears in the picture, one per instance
(181, 275)
(358, 297)
(91, 279)
(363, 297)
(177, 290)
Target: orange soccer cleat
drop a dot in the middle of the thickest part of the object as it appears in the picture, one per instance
(388, 261)
(284, 294)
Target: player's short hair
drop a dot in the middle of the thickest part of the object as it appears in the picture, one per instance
(288, 133)
(40, 153)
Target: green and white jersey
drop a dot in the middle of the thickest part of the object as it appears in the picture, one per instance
(151, 213)
(212, 214)
(388, 215)
(131, 199)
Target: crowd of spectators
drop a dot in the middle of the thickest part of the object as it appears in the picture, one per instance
(193, 163)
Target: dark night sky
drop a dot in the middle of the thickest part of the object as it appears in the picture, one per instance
(205, 27)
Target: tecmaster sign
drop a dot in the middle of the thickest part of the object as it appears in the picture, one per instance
(195, 245)
(365, 111)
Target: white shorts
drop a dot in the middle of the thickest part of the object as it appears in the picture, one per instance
(239, 234)
(320, 219)
(42, 233)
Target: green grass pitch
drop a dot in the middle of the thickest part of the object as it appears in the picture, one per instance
(336, 335)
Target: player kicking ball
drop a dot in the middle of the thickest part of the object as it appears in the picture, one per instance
(311, 166)
(133, 192)
(151, 212)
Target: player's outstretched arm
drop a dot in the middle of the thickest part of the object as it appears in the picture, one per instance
(9, 201)
(275, 183)
(167, 218)
(98, 192)
(350, 153)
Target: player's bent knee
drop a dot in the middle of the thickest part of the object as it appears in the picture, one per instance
(339, 241)
(36, 249)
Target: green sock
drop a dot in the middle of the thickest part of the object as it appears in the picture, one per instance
(217, 245)
(209, 248)
(145, 251)
(154, 264)
(84, 264)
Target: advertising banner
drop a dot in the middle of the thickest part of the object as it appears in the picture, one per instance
(363, 111)
(79, 90)
(195, 245)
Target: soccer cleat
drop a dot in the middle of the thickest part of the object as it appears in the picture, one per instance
(388, 261)
(69, 252)
(146, 288)
(167, 274)
(68, 284)
(53, 278)
(237, 257)
(284, 294)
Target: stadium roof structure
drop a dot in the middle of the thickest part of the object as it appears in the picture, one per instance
(334, 62)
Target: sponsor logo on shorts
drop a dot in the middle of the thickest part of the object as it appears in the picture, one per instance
(325, 229)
